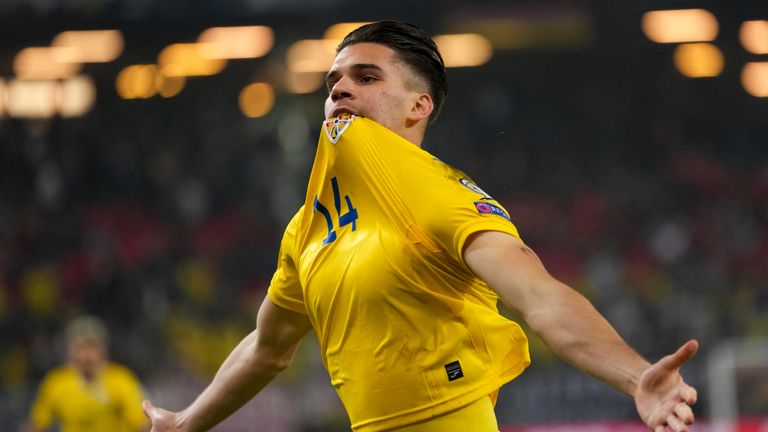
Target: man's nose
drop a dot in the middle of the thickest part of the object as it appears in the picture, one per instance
(341, 89)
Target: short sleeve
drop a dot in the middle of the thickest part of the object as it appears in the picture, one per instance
(41, 414)
(456, 208)
(285, 287)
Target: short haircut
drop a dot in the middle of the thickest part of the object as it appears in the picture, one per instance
(414, 47)
(87, 329)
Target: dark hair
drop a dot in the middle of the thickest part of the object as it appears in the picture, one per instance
(414, 48)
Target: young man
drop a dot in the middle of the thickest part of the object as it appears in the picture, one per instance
(89, 393)
(397, 260)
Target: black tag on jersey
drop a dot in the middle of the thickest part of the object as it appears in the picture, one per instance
(454, 371)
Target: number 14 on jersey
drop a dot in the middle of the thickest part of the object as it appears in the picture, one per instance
(350, 217)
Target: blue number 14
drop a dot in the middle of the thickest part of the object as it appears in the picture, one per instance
(350, 217)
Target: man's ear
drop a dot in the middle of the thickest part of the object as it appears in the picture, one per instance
(422, 108)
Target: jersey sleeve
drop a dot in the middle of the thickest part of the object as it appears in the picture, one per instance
(42, 412)
(455, 208)
(285, 287)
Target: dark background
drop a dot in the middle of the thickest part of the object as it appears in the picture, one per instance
(643, 189)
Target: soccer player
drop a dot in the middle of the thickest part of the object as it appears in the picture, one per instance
(396, 260)
(89, 394)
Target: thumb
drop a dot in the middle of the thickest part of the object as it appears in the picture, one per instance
(149, 409)
(679, 357)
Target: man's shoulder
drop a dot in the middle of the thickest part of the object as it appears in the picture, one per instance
(119, 370)
(59, 376)
(64, 370)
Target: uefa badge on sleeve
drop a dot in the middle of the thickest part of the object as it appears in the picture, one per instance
(335, 127)
(484, 207)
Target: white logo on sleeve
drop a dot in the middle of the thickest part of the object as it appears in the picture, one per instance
(475, 188)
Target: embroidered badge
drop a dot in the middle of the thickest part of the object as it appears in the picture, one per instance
(474, 188)
(488, 208)
(336, 126)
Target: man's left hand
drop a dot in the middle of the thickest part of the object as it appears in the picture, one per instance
(662, 398)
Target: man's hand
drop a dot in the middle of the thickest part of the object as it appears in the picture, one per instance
(162, 420)
(662, 398)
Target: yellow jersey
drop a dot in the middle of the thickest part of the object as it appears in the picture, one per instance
(111, 402)
(375, 259)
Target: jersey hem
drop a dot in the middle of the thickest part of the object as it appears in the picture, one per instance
(424, 413)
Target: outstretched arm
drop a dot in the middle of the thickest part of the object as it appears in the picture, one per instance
(249, 368)
(577, 333)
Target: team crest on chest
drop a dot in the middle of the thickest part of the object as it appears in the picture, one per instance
(335, 127)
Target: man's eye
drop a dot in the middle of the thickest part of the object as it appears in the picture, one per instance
(367, 79)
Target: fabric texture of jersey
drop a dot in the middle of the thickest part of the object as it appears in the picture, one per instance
(111, 402)
(374, 258)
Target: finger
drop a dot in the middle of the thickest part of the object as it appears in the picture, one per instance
(676, 424)
(684, 413)
(682, 355)
(689, 395)
(661, 428)
(148, 409)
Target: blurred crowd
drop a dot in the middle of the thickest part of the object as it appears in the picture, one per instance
(644, 191)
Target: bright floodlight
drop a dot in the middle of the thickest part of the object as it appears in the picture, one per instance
(41, 63)
(190, 59)
(754, 36)
(464, 50)
(238, 42)
(338, 31)
(256, 100)
(76, 96)
(699, 60)
(681, 25)
(754, 78)
(91, 46)
(311, 55)
(32, 99)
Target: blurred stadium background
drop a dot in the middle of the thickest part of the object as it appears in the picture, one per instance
(147, 172)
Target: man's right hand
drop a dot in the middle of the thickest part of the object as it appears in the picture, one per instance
(162, 420)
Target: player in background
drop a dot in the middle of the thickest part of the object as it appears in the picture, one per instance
(397, 260)
(89, 393)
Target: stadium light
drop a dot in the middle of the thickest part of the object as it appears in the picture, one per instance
(754, 78)
(311, 55)
(681, 25)
(32, 99)
(338, 31)
(91, 46)
(303, 82)
(699, 60)
(190, 59)
(238, 42)
(256, 100)
(76, 96)
(137, 82)
(43, 63)
(144, 81)
(464, 50)
(754, 36)
(169, 87)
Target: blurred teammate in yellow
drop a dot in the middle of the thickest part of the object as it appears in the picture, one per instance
(397, 261)
(89, 393)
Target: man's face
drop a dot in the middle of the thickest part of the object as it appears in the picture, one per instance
(87, 357)
(368, 80)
